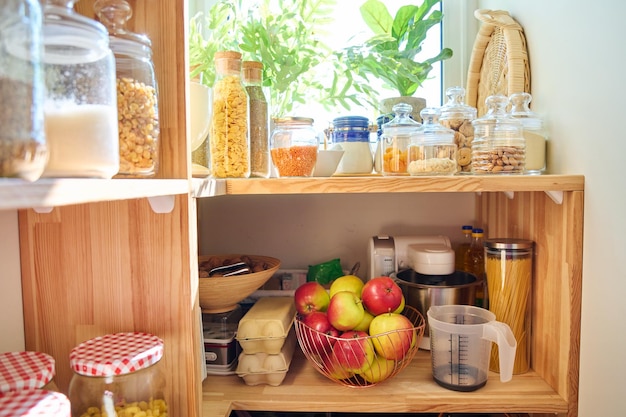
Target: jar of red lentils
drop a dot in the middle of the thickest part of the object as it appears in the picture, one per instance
(137, 92)
(26, 370)
(118, 373)
(294, 146)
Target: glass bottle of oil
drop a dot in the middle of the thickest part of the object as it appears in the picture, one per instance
(462, 248)
(475, 264)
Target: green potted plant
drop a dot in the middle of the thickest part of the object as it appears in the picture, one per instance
(391, 54)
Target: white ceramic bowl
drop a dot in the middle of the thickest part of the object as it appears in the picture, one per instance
(327, 162)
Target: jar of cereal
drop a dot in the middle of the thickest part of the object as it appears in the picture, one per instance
(458, 116)
(294, 146)
(396, 140)
(229, 137)
(116, 374)
(499, 146)
(432, 151)
(137, 92)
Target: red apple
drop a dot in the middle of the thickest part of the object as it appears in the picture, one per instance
(354, 351)
(392, 335)
(311, 296)
(345, 310)
(334, 369)
(316, 332)
(381, 295)
(379, 371)
(346, 283)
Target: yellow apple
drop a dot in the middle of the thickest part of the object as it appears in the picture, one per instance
(347, 283)
(364, 325)
(393, 335)
(345, 310)
(380, 370)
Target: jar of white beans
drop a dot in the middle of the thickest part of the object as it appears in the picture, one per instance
(118, 374)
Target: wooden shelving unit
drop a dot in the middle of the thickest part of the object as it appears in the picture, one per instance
(100, 256)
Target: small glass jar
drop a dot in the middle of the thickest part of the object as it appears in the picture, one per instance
(534, 133)
(259, 119)
(137, 92)
(396, 140)
(499, 146)
(34, 403)
(23, 150)
(352, 134)
(294, 145)
(229, 135)
(81, 102)
(26, 370)
(378, 154)
(116, 372)
(432, 151)
(458, 116)
(509, 273)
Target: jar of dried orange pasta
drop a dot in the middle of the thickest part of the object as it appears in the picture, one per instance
(294, 146)
(229, 136)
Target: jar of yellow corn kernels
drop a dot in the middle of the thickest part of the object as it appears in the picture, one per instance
(118, 373)
(137, 92)
(229, 138)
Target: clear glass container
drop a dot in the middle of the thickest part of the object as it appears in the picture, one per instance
(137, 91)
(432, 151)
(352, 134)
(458, 116)
(81, 102)
(396, 139)
(23, 150)
(499, 146)
(534, 133)
(259, 119)
(509, 273)
(294, 145)
(229, 135)
(115, 372)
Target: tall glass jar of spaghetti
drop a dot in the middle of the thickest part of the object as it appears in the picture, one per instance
(294, 146)
(509, 273)
(229, 137)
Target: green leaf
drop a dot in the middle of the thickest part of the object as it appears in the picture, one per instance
(377, 17)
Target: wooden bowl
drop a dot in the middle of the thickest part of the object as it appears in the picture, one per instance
(221, 294)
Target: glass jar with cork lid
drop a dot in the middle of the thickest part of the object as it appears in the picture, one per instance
(259, 119)
(137, 91)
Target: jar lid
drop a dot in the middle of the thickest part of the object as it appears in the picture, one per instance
(351, 122)
(431, 259)
(25, 370)
(520, 110)
(293, 121)
(34, 403)
(455, 107)
(433, 131)
(509, 243)
(114, 15)
(116, 354)
(401, 124)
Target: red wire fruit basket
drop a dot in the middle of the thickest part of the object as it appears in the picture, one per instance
(361, 360)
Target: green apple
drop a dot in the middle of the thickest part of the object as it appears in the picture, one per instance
(393, 335)
(380, 370)
(346, 283)
(345, 311)
(364, 325)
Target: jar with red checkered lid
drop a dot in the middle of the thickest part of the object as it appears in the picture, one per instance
(34, 403)
(118, 373)
(26, 370)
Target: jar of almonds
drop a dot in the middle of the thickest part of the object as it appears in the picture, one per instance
(458, 116)
(229, 136)
(499, 146)
(137, 92)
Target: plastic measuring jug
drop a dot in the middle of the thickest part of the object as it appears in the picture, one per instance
(460, 346)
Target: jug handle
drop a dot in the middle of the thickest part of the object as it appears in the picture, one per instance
(502, 335)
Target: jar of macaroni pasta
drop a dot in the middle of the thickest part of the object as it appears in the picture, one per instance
(432, 151)
(499, 146)
(117, 373)
(509, 274)
(458, 116)
(137, 91)
(229, 136)
(534, 133)
(396, 140)
(80, 111)
(294, 145)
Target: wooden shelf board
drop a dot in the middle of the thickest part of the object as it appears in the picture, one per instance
(413, 390)
(19, 194)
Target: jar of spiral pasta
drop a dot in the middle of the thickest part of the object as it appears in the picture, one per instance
(137, 92)
(229, 137)
(509, 273)
(294, 146)
(118, 373)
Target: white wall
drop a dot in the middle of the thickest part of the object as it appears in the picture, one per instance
(577, 64)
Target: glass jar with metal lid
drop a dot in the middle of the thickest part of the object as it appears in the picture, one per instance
(81, 101)
(396, 140)
(23, 150)
(352, 134)
(26, 370)
(432, 151)
(499, 146)
(458, 116)
(229, 136)
(116, 373)
(137, 91)
(294, 145)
